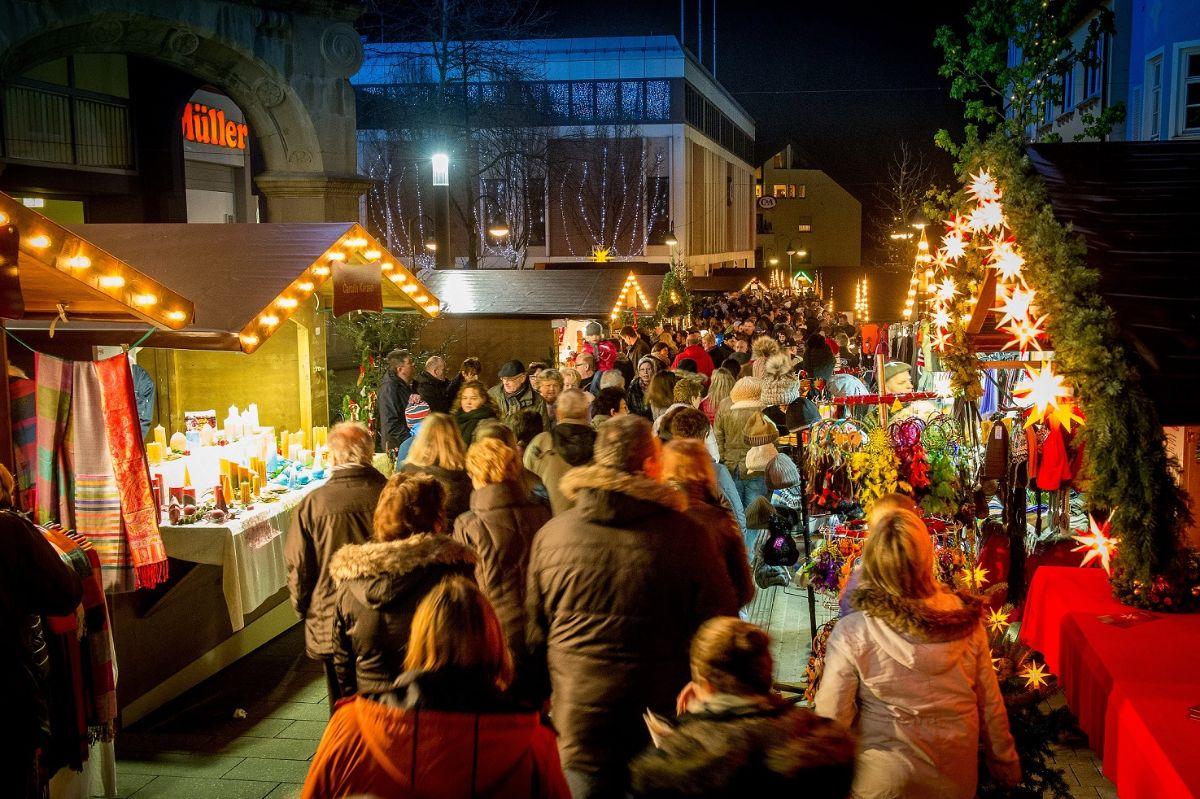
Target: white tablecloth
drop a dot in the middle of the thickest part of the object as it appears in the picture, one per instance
(248, 549)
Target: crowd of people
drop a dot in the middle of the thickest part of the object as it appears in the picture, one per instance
(546, 597)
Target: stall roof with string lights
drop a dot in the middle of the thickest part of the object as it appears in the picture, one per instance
(245, 279)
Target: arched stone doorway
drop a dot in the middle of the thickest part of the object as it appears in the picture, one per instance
(285, 64)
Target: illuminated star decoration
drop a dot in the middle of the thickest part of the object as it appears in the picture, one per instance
(947, 289)
(986, 216)
(997, 621)
(1049, 398)
(983, 187)
(1007, 260)
(601, 254)
(959, 226)
(1035, 676)
(1015, 304)
(976, 576)
(1098, 543)
(1025, 333)
(954, 246)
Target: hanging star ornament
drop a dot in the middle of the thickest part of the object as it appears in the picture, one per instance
(947, 289)
(976, 575)
(1049, 398)
(1007, 261)
(954, 246)
(1026, 333)
(958, 225)
(983, 187)
(997, 621)
(1098, 543)
(1035, 675)
(1015, 304)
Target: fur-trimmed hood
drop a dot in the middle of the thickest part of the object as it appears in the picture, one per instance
(747, 752)
(612, 497)
(398, 559)
(926, 635)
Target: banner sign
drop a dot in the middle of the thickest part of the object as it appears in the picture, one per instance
(357, 287)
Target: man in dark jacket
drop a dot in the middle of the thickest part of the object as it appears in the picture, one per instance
(434, 388)
(718, 353)
(614, 597)
(514, 393)
(636, 347)
(553, 453)
(394, 391)
(338, 513)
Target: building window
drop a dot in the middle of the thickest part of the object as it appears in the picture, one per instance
(1154, 96)
(757, 190)
(1067, 98)
(805, 224)
(779, 190)
(1093, 70)
(778, 160)
(1189, 93)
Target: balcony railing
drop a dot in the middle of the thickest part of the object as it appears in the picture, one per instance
(64, 128)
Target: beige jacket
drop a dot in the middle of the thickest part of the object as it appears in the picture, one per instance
(730, 428)
(917, 677)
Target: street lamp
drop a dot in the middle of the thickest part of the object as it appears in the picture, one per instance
(497, 228)
(670, 240)
(791, 250)
(441, 169)
(773, 261)
(441, 208)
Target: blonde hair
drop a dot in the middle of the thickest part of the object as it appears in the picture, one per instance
(570, 377)
(410, 504)
(491, 461)
(551, 375)
(719, 386)
(438, 443)
(733, 656)
(686, 461)
(898, 555)
(455, 627)
(350, 442)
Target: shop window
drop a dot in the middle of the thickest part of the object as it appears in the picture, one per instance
(779, 190)
(805, 224)
(1093, 70)
(1154, 96)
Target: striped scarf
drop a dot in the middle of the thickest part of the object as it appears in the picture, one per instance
(54, 482)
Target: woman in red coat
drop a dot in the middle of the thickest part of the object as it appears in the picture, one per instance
(446, 729)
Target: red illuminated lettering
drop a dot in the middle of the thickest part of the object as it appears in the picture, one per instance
(206, 125)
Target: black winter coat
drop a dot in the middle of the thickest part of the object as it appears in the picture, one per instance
(338, 513)
(617, 587)
(456, 483)
(437, 392)
(767, 749)
(393, 399)
(379, 586)
(500, 527)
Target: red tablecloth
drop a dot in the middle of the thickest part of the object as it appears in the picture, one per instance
(1131, 687)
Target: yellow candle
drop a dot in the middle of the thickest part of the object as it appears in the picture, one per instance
(227, 484)
(154, 452)
(283, 443)
(160, 437)
(245, 492)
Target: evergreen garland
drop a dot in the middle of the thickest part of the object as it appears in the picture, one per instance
(674, 299)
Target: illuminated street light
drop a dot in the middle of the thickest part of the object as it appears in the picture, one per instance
(441, 169)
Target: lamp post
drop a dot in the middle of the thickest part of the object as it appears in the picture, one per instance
(415, 225)
(441, 208)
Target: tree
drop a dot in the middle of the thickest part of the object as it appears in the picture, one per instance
(1013, 96)
(608, 191)
(909, 180)
(454, 78)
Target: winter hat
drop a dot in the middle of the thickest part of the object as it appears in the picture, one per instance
(746, 389)
(782, 473)
(686, 391)
(593, 329)
(416, 411)
(893, 368)
(512, 368)
(759, 513)
(779, 385)
(650, 359)
(759, 458)
(759, 431)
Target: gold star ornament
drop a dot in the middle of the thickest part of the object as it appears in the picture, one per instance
(1035, 675)
(997, 621)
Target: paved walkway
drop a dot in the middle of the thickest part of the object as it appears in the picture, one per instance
(195, 747)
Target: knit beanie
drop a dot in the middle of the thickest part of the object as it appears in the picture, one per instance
(780, 385)
(759, 513)
(893, 368)
(781, 473)
(593, 329)
(759, 430)
(759, 458)
(417, 410)
(746, 389)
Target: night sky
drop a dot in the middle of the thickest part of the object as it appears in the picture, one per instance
(845, 80)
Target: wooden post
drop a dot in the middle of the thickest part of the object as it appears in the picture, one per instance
(7, 455)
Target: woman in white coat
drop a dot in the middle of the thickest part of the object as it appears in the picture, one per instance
(911, 669)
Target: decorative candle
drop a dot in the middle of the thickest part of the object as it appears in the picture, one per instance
(253, 411)
(283, 443)
(179, 442)
(154, 452)
(227, 484)
(206, 436)
(245, 492)
(160, 436)
(219, 498)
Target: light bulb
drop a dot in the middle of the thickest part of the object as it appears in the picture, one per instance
(111, 281)
(287, 302)
(144, 299)
(39, 241)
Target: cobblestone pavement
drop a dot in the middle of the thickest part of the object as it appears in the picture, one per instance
(195, 748)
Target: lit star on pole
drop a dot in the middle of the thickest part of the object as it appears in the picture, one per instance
(1007, 260)
(1035, 676)
(1097, 543)
(1015, 304)
(997, 621)
(987, 216)
(976, 575)
(1047, 393)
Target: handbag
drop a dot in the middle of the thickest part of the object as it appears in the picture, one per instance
(778, 548)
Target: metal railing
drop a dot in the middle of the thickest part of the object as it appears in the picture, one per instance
(65, 128)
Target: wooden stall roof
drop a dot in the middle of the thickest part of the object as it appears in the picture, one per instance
(535, 293)
(240, 276)
(62, 274)
(1137, 206)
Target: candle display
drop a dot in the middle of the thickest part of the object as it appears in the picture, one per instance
(154, 452)
(160, 436)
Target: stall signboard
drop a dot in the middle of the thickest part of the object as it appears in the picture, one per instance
(356, 287)
(12, 304)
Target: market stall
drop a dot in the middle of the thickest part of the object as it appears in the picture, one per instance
(239, 420)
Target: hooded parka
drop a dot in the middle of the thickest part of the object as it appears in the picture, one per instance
(552, 454)
(617, 587)
(379, 586)
(918, 676)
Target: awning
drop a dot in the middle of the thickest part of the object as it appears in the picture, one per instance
(65, 276)
(245, 279)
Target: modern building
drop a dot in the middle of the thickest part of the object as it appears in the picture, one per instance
(625, 140)
(202, 111)
(802, 209)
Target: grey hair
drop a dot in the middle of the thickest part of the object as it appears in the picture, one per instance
(612, 378)
(434, 360)
(396, 358)
(350, 443)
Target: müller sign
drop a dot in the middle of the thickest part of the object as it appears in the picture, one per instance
(205, 125)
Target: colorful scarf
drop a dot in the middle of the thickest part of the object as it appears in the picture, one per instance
(97, 497)
(22, 394)
(54, 484)
(139, 511)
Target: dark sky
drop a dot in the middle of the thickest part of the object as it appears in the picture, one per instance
(846, 79)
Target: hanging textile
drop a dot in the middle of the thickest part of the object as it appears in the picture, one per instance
(97, 496)
(22, 398)
(139, 511)
(54, 482)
